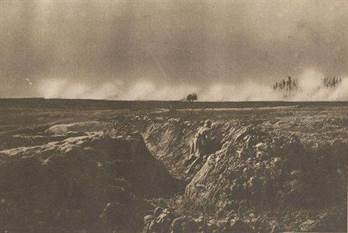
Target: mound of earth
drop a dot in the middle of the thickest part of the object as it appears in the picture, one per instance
(258, 171)
(283, 175)
(170, 141)
(94, 183)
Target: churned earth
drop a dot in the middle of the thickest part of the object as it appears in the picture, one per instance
(118, 169)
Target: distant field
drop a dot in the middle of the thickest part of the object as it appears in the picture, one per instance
(308, 118)
(82, 103)
(18, 113)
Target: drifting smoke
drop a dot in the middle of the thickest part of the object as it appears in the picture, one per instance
(140, 90)
(221, 49)
(310, 87)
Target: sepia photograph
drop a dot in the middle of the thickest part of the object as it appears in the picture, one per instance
(173, 116)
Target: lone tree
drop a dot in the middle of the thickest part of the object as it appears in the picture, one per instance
(191, 97)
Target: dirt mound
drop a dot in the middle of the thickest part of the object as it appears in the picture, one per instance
(258, 170)
(170, 142)
(93, 183)
(289, 171)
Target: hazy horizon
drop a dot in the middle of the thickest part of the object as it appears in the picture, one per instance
(164, 50)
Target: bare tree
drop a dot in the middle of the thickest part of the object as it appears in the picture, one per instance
(192, 97)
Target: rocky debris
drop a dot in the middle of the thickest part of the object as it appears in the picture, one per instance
(170, 141)
(255, 166)
(168, 221)
(260, 170)
(93, 183)
(308, 225)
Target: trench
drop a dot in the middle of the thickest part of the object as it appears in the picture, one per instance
(256, 179)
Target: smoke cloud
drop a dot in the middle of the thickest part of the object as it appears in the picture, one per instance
(148, 49)
(310, 88)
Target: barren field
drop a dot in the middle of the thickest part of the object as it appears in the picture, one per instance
(100, 167)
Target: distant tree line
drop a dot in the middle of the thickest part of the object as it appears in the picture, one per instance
(332, 82)
(289, 86)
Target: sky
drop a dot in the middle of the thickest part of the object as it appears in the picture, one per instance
(165, 49)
